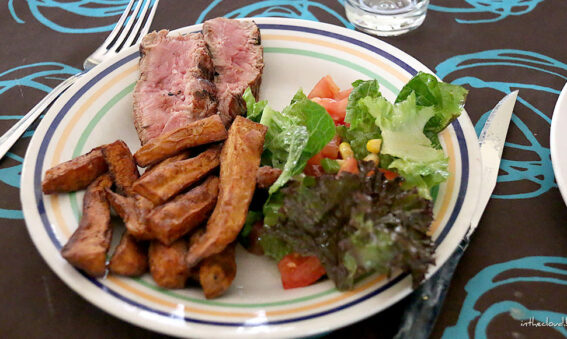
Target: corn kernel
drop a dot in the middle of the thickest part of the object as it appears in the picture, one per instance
(372, 157)
(345, 150)
(374, 145)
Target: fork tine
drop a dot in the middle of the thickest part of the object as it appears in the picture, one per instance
(132, 19)
(140, 17)
(148, 23)
(118, 26)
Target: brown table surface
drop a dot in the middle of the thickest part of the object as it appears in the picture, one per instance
(489, 48)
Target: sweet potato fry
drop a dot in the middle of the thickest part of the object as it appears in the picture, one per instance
(167, 263)
(75, 174)
(87, 247)
(240, 159)
(121, 165)
(193, 238)
(266, 176)
(168, 180)
(174, 219)
(200, 132)
(133, 211)
(194, 273)
(130, 257)
(217, 272)
(181, 156)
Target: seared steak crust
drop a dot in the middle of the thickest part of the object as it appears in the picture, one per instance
(175, 85)
(237, 53)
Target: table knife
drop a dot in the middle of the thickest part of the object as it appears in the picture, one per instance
(426, 302)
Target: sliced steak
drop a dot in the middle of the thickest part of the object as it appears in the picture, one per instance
(238, 59)
(175, 85)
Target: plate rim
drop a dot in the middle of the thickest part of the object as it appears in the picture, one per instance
(559, 119)
(294, 22)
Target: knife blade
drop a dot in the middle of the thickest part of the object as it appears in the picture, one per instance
(491, 141)
(425, 303)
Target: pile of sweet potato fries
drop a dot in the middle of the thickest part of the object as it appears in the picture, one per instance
(181, 219)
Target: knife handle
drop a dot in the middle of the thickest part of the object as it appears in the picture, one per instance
(425, 304)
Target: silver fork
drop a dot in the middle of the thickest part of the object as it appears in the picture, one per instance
(129, 30)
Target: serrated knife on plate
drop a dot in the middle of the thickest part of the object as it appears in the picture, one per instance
(426, 302)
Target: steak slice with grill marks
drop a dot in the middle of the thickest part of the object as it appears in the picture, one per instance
(175, 85)
(237, 53)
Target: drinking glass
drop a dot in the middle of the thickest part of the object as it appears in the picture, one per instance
(386, 17)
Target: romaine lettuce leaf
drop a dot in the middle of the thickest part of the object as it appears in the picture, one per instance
(253, 109)
(409, 129)
(446, 100)
(357, 115)
(295, 135)
(413, 155)
(362, 127)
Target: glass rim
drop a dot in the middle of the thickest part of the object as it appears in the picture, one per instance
(417, 5)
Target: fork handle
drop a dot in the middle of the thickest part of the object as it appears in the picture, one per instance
(13, 134)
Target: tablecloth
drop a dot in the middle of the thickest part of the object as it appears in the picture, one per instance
(516, 265)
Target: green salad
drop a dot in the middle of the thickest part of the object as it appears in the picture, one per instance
(357, 172)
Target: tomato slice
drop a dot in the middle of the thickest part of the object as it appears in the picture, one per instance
(335, 108)
(389, 175)
(300, 271)
(314, 170)
(349, 165)
(343, 94)
(315, 160)
(331, 151)
(325, 88)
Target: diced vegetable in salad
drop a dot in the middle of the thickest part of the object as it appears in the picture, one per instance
(354, 196)
(299, 271)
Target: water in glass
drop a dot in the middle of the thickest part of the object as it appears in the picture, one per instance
(386, 17)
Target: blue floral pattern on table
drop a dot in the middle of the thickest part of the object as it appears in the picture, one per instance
(496, 9)
(47, 70)
(84, 8)
(540, 171)
(31, 78)
(539, 269)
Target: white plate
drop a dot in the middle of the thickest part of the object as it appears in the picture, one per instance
(558, 142)
(298, 53)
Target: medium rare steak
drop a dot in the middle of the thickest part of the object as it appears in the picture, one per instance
(238, 59)
(175, 85)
